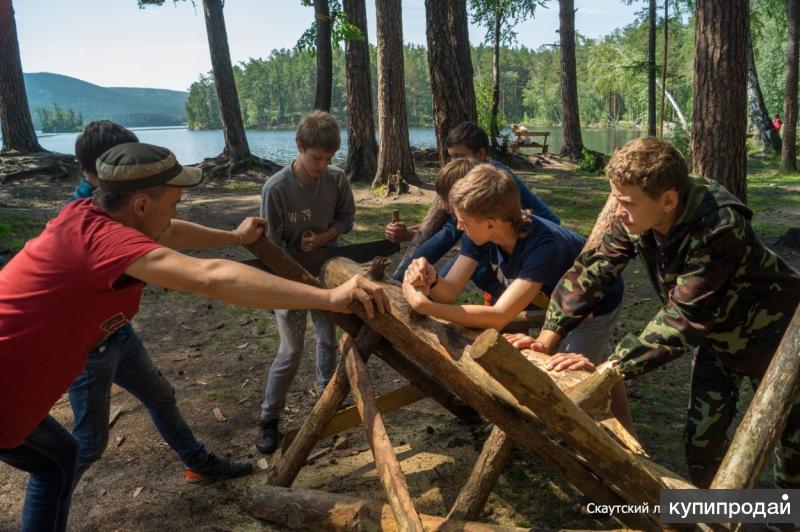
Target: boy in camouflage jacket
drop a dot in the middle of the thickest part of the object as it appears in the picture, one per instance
(726, 298)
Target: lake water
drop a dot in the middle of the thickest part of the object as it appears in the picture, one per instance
(278, 145)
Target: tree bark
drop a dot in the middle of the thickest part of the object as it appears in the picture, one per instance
(322, 16)
(331, 512)
(386, 464)
(664, 68)
(449, 108)
(236, 146)
(769, 137)
(570, 115)
(394, 155)
(15, 115)
(494, 130)
(719, 124)
(651, 70)
(459, 33)
(766, 416)
(789, 151)
(362, 149)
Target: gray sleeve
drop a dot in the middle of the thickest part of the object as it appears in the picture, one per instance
(345, 213)
(272, 211)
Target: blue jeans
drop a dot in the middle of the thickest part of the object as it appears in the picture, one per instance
(292, 330)
(123, 360)
(49, 454)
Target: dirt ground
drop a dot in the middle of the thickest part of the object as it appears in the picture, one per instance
(217, 355)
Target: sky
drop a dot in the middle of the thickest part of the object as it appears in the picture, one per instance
(113, 43)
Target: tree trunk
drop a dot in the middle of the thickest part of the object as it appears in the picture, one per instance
(236, 146)
(570, 116)
(664, 67)
(15, 115)
(394, 156)
(449, 108)
(719, 125)
(459, 34)
(362, 149)
(322, 17)
(789, 151)
(494, 130)
(770, 139)
(651, 70)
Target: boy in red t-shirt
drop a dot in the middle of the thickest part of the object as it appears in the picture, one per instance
(81, 280)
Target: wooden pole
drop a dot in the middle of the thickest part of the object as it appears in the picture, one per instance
(389, 472)
(439, 349)
(536, 390)
(285, 469)
(490, 464)
(331, 512)
(766, 417)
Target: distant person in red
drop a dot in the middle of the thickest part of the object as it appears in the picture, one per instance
(777, 123)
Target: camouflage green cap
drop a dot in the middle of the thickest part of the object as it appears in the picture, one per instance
(136, 165)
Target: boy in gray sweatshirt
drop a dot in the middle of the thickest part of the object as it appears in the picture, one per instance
(307, 204)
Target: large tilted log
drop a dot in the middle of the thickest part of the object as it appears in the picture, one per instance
(766, 417)
(439, 349)
(602, 224)
(282, 264)
(540, 394)
(306, 509)
(386, 464)
(488, 467)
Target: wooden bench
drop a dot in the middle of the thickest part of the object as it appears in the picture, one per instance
(525, 139)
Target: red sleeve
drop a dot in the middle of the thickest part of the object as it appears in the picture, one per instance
(111, 248)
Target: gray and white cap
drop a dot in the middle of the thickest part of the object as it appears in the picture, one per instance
(136, 165)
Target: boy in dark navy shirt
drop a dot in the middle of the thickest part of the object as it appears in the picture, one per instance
(528, 255)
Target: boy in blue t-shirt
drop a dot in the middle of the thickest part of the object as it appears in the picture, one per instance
(528, 256)
(466, 140)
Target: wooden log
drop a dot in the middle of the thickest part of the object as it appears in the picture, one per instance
(602, 224)
(490, 464)
(593, 395)
(282, 264)
(540, 394)
(296, 454)
(389, 472)
(348, 418)
(316, 510)
(766, 417)
(439, 348)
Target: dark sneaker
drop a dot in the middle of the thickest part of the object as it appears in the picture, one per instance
(270, 438)
(218, 469)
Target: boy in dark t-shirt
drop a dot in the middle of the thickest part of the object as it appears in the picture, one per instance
(528, 256)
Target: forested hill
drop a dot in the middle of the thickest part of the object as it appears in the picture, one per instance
(134, 107)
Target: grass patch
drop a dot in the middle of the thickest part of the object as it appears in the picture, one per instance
(16, 228)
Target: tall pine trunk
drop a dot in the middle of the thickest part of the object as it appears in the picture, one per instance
(769, 137)
(394, 155)
(449, 108)
(459, 33)
(236, 146)
(651, 70)
(719, 124)
(15, 115)
(789, 151)
(570, 115)
(322, 16)
(494, 129)
(362, 150)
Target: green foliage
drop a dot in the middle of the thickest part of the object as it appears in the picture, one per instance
(590, 162)
(59, 120)
(510, 12)
(341, 30)
(679, 138)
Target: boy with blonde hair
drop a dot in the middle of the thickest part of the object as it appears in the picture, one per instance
(307, 204)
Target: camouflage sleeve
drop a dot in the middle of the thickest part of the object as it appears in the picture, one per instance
(588, 280)
(698, 300)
